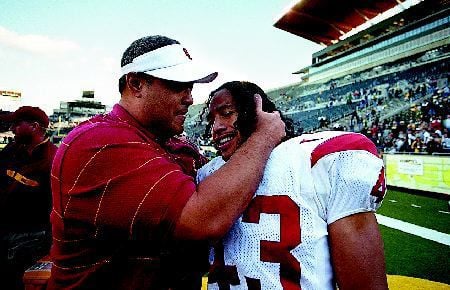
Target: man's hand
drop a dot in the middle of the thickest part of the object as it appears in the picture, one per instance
(223, 196)
(269, 125)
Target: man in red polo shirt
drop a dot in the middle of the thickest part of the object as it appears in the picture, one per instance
(25, 195)
(126, 211)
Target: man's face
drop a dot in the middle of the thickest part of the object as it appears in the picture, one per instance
(223, 115)
(166, 105)
(23, 131)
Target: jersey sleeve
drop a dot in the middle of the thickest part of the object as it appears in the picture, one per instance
(350, 180)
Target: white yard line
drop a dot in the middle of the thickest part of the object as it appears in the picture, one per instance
(425, 233)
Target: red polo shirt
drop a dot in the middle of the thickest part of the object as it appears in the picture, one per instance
(117, 196)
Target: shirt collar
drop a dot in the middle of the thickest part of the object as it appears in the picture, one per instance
(120, 113)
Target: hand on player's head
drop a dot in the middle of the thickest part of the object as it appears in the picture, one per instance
(269, 124)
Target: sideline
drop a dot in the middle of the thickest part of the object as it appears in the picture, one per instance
(395, 282)
(412, 229)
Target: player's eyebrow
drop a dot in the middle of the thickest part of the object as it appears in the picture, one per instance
(218, 109)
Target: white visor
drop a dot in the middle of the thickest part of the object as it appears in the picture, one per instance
(171, 62)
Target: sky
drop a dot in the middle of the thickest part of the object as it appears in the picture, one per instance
(51, 51)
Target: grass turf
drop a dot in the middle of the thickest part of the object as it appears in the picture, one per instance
(412, 256)
(419, 210)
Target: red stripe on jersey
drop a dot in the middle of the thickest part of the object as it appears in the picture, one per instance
(350, 141)
(379, 189)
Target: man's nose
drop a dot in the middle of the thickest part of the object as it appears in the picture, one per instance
(189, 100)
(218, 126)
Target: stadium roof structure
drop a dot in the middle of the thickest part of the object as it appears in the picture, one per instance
(324, 21)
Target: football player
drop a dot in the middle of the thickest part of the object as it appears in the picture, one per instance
(311, 223)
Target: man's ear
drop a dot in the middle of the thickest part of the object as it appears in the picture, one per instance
(134, 82)
(36, 126)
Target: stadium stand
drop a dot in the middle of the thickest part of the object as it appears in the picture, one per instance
(370, 80)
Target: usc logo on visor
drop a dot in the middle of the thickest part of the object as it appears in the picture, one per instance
(187, 53)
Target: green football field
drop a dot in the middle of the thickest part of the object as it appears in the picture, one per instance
(408, 254)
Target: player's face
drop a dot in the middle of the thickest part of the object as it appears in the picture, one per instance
(223, 116)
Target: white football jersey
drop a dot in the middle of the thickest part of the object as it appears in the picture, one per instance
(309, 182)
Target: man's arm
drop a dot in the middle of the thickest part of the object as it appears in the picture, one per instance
(224, 195)
(357, 252)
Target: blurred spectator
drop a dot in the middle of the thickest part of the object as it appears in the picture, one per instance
(446, 123)
(446, 91)
(417, 145)
(434, 145)
(426, 136)
(436, 123)
(25, 195)
(400, 144)
(446, 143)
(410, 139)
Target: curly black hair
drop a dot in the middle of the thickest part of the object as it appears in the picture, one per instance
(243, 94)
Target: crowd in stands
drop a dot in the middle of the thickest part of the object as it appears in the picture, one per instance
(403, 107)
(424, 128)
(421, 123)
(304, 96)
